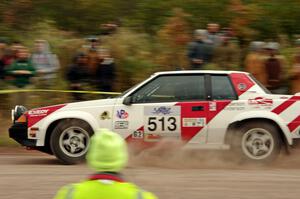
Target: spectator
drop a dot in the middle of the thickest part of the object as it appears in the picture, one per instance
(108, 28)
(93, 55)
(21, 71)
(2, 71)
(295, 72)
(213, 35)
(254, 62)
(226, 55)
(107, 155)
(77, 74)
(10, 54)
(2, 63)
(199, 52)
(46, 63)
(274, 68)
(105, 72)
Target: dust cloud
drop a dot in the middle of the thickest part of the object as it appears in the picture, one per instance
(171, 154)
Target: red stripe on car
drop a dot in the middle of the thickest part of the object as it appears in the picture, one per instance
(36, 115)
(294, 124)
(279, 109)
(241, 82)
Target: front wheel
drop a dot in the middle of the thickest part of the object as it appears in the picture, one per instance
(257, 142)
(70, 140)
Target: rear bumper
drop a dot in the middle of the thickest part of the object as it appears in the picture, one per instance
(18, 132)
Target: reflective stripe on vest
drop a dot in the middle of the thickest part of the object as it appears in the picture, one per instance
(102, 176)
(71, 189)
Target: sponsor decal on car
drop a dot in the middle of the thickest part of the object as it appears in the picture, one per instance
(122, 114)
(37, 113)
(163, 110)
(105, 115)
(121, 124)
(236, 106)
(242, 86)
(138, 134)
(212, 106)
(152, 137)
(193, 122)
(260, 101)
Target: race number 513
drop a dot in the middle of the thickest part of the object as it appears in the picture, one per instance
(162, 124)
(162, 119)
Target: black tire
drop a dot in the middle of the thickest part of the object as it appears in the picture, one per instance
(256, 142)
(70, 140)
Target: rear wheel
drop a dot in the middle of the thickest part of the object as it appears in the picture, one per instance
(257, 142)
(70, 140)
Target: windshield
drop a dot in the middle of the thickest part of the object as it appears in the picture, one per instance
(128, 90)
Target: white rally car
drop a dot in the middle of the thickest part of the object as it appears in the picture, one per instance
(204, 109)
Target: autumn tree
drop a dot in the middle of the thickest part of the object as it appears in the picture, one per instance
(242, 15)
(174, 36)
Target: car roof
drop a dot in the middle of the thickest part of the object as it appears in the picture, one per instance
(198, 71)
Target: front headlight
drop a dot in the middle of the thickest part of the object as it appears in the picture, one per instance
(17, 112)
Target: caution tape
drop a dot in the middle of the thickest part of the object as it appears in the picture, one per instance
(57, 91)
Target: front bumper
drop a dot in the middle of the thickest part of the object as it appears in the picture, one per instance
(18, 132)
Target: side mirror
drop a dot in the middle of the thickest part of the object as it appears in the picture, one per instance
(127, 101)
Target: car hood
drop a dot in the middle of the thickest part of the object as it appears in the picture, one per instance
(92, 103)
(75, 105)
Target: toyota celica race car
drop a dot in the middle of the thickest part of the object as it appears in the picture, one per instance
(204, 109)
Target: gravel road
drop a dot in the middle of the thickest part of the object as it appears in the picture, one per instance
(30, 174)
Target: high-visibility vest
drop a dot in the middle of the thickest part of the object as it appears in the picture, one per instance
(103, 186)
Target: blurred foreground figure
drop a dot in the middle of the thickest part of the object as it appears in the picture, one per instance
(295, 73)
(107, 155)
(46, 63)
(254, 62)
(199, 51)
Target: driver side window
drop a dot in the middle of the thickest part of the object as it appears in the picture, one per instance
(171, 89)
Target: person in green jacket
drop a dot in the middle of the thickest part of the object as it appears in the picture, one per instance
(19, 74)
(107, 155)
(21, 70)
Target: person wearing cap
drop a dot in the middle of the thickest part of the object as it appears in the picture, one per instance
(274, 65)
(46, 63)
(107, 155)
(93, 54)
(199, 51)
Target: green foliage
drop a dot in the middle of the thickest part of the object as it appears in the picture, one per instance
(259, 19)
(134, 54)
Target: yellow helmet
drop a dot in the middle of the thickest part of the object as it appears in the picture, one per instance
(107, 152)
